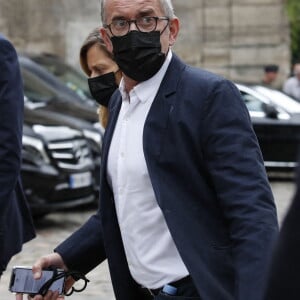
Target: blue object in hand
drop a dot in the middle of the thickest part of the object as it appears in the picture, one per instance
(169, 290)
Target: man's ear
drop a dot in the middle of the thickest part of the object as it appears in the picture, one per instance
(174, 30)
(106, 39)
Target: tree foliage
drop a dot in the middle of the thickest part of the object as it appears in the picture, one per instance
(293, 10)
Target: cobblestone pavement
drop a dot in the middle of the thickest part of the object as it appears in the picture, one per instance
(56, 227)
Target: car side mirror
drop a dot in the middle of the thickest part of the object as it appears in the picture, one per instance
(270, 111)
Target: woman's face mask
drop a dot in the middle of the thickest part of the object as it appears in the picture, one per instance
(102, 87)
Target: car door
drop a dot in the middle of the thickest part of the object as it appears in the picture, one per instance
(276, 130)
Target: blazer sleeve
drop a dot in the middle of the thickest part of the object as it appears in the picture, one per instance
(84, 249)
(284, 276)
(236, 168)
(11, 123)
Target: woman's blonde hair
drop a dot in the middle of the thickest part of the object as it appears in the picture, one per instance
(94, 38)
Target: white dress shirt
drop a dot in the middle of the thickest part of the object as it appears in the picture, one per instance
(151, 254)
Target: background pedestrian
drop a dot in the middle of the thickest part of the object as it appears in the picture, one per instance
(292, 85)
(285, 268)
(270, 75)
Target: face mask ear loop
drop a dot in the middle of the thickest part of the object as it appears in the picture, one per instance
(168, 23)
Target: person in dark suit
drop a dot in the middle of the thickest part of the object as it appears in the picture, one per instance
(186, 210)
(16, 225)
(284, 272)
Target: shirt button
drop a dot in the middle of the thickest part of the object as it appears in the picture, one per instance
(122, 154)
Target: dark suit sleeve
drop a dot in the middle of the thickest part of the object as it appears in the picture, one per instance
(84, 249)
(285, 268)
(236, 169)
(11, 120)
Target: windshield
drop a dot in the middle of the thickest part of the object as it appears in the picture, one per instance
(279, 99)
(35, 89)
(71, 77)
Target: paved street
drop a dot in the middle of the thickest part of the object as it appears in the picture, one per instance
(56, 227)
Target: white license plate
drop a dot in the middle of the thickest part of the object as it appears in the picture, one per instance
(80, 180)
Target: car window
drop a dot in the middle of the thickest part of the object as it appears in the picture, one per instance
(34, 88)
(67, 74)
(280, 99)
(252, 103)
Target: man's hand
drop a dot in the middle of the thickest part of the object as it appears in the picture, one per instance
(49, 296)
(54, 260)
(50, 260)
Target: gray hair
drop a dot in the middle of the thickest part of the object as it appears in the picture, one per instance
(166, 6)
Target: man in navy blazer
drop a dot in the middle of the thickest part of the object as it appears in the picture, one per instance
(185, 204)
(284, 274)
(16, 225)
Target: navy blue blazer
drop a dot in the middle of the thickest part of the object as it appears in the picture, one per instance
(284, 274)
(16, 225)
(209, 180)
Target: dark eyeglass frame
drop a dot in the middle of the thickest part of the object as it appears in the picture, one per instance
(128, 22)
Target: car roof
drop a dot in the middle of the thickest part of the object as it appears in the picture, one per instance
(271, 96)
(48, 78)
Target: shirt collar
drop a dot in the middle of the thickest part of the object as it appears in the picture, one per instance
(149, 88)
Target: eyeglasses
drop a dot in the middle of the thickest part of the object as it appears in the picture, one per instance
(120, 27)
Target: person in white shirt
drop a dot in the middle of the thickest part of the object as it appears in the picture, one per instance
(186, 210)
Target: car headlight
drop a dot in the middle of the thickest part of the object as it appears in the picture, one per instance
(34, 150)
(100, 128)
(94, 137)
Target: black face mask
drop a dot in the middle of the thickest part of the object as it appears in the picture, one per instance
(102, 87)
(138, 54)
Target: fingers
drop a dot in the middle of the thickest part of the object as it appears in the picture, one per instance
(53, 259)
(49, 296)
(39, 265)
(52, 295)
(19, 296)
(69, 283)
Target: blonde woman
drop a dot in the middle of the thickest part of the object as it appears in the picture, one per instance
(103, 72)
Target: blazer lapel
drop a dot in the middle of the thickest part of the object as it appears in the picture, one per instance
(157, 120)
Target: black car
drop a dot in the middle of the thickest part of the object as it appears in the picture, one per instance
(49, 102)
(276, 122)
(42, 86)
(69, 75)
(34, 113)
(57, 168)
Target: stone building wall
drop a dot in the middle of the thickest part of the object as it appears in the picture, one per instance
(234, 38)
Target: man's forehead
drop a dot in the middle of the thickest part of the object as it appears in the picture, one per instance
(122, 6)
(131, 2)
